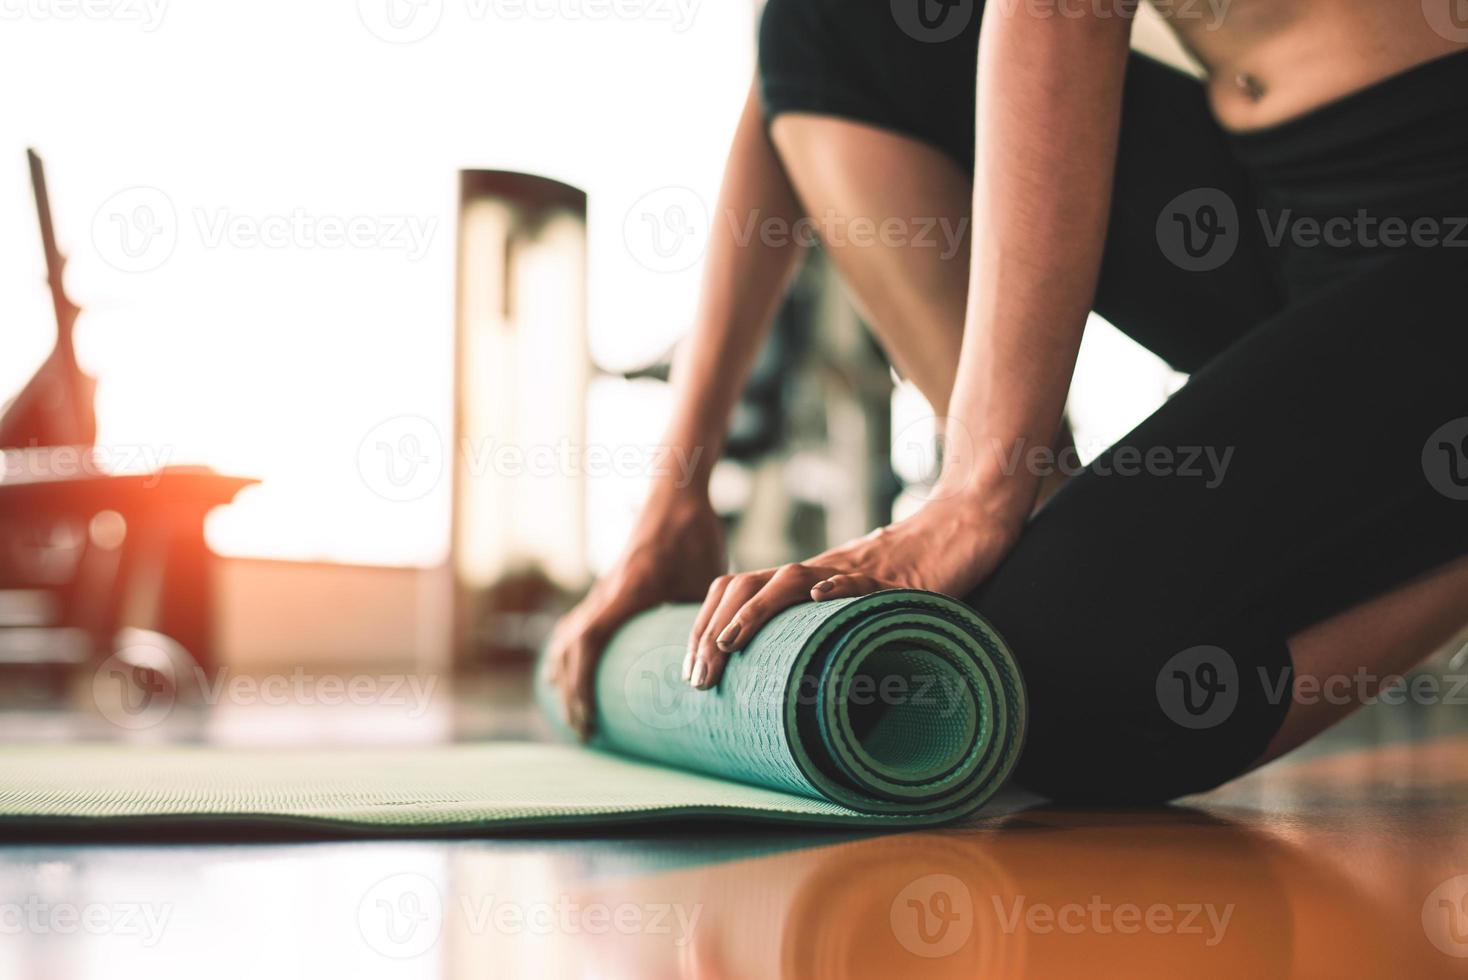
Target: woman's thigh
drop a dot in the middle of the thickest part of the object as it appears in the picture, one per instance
(1319, 462)
(1179, 277)
(893, 214)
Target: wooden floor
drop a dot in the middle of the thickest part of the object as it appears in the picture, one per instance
(1347, 861)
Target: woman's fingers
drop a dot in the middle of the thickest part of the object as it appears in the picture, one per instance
(845, 586)
(555, 667)
(567, 667)
(711, 657)
(576, 699)
(738, 606)
(708, 666)
(736, 623)
(571, 665)
(701, 621)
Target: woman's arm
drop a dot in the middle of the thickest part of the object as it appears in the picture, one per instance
(1048, 117)
(743, 283)
(1049, 112)
(676, 550)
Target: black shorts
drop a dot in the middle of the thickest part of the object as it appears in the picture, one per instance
(1312, 278)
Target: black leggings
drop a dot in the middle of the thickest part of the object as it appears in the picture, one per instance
(1318, 455)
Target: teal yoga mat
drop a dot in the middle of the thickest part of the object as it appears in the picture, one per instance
(901, 708)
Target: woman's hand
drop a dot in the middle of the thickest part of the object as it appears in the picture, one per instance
(675, 551)
(949, 546)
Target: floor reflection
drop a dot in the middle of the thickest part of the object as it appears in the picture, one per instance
(1046, 894)
(1354, 864)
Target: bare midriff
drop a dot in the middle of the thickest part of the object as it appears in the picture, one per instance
(1269, 61)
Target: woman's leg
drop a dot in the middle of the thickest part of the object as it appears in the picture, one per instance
(1239, 547)
(874, 129)
(1343, 661)
(1280, 527)
(893, 214)
(915, 297)
(873, 122)
(911, 282)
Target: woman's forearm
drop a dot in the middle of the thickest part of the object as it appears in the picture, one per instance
(745, 275)
(1048, 115)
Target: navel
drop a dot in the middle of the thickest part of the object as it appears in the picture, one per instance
(1252, 88)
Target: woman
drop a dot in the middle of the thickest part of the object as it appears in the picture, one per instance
(1174, 632)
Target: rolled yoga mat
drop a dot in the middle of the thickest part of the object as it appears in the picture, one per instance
(901, 708)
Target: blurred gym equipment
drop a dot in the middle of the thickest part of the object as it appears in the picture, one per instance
(522, 369)
(84, 552)
(55, 408)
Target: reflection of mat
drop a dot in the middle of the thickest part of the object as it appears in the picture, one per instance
(896, 708)
(1041, 894)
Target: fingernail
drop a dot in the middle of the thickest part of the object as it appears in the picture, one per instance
(700, 673)
(726, 639)
(688, 666)
(822, 586)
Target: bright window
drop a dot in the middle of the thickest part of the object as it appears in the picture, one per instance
(259, 206)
